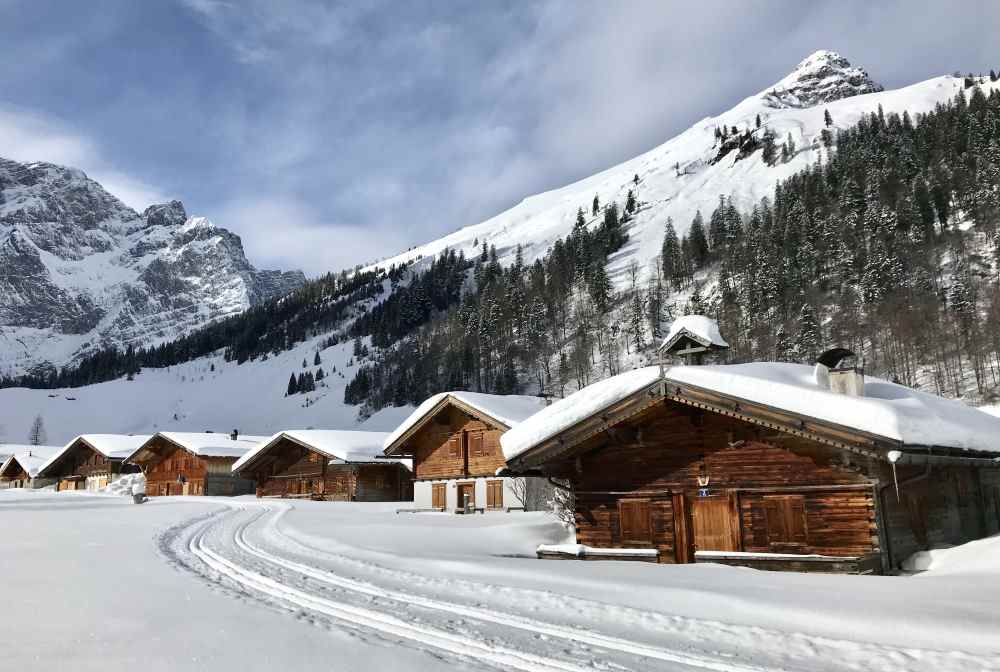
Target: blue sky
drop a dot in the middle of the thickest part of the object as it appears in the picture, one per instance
(329, 134)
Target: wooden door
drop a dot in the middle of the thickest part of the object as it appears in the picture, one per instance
(438, 495)
(713, 524)
(466, 489)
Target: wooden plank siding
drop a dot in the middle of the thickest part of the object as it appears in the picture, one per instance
(172, 470)
(80, 462)
(632, 479)
(292, 470)
(456, 445)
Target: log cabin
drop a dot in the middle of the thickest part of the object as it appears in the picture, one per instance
(327, 465)
(20, 468)
(91, 461)
(766, 465)
(194, 463)
(453, 439)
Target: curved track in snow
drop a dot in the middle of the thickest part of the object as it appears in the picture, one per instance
(243, 549)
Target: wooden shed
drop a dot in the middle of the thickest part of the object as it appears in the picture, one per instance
(330, 465)
(194, 463)
(91, 461)
(20, 467)
(764, 465)
(453, 439)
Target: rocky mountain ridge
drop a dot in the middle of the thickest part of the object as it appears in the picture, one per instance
(80, 270)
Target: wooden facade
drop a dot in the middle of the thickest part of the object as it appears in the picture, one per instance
(456, 456)
(13, 475)
(171, 469)
(293, 469)
(699, 479)
(81, 464)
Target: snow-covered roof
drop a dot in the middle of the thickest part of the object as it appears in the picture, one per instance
(579, 406)
(111, 446)
(703, 329)
(887, 410)
(31, 458)
(210, 444)
(507, 409)
(341, 446)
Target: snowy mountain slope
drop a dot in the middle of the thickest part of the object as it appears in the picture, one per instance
(194, 397)
(682, 176)
(80, 270)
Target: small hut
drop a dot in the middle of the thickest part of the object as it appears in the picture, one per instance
(20, 468)
(194, 463)
(329, 465)
(453, 439)
(91, 461)
(769, 465)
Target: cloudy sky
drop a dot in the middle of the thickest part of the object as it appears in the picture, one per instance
(329, 134)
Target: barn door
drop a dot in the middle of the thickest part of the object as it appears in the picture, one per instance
(713, 525)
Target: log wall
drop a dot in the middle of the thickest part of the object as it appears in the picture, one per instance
(455, 445)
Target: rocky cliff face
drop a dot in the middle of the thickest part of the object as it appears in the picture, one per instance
(823, 77)
(81, 270)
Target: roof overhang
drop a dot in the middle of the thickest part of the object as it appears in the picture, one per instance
(394, 449)
(46, 469)
(562, 445)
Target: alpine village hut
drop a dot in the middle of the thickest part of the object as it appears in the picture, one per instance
(20, 468)
(194, 463)
(453, 439)
(91, 461)
(327, 465)
(767, 465)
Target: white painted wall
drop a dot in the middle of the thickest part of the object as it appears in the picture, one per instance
(422, 492)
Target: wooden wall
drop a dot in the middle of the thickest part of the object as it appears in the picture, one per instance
(291, 470)
(200, 475)
(824, 500)
(81, 461)
(456, 445)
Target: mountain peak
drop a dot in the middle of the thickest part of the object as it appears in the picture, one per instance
(822, 77)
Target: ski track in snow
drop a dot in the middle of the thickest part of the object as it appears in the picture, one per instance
(243, 548)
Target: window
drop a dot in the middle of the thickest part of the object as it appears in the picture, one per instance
(438, 495)
(379, 482)
(785, 521)
(494, 494)
(477, 446)
(455, 446)
(635, 521)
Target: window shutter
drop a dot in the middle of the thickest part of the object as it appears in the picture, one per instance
(785, 519)
(635, 521)
(476, 444)
(455, 446)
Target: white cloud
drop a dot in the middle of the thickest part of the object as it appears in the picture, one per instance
(278, 232)
(27, 136)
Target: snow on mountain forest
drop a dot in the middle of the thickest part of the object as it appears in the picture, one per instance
(684, 175)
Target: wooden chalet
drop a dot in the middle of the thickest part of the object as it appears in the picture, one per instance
(453, 439)
(328, 465)
(90, 461)
(764, 465)
(20, 468)
(194, 463)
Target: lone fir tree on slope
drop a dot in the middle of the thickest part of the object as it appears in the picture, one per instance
(37, 435)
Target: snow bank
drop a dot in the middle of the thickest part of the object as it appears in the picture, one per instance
(578, 406)
(123, 486)
(581, 550)
(975, 557)
(507, 409)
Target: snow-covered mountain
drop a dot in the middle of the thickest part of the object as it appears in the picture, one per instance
(676, 179)
(80, 270)
(690, 172)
